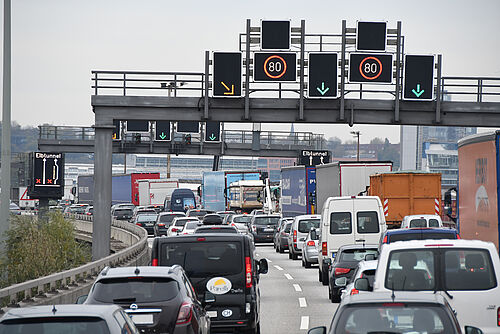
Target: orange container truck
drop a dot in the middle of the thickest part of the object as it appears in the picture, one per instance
(407, 193)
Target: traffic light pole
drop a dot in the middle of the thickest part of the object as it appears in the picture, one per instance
(302, 53)
(398, 74)
(438, 90)
(247, 72)
(342, 73)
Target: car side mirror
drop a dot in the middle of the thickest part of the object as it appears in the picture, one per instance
(317, 330)
(362, 284)
(328, 261)
(472, 330)
(369, 257)
(342, 281)
(263, 266)
(314, 235)
(81, 299)
(209, 298)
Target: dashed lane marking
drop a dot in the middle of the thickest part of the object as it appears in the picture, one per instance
(278, 267)
(302, 302)
(288, 276)
(297, 288)
(304, 322)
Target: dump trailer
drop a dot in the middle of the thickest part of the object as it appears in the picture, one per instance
(407, 193)
(346, 178)
(478, 188)
(298, 191)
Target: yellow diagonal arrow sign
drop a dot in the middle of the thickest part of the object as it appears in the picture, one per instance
(230, 91)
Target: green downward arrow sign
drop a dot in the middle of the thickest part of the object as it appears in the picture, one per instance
(212, 137)
(323, 90)
(418, 92)
(163, 135)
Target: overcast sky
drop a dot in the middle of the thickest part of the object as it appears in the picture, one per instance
(56, 43)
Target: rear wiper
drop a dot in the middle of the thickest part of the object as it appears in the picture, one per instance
(124, 300)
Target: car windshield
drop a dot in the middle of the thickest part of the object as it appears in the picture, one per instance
(169, 218)
(56, 325)
(266, 220)
(146, 218)
(394, 317)
(357, 254)
(200, 259)
(135, 289)
(305, 225)
(242, 219)
(422, 236)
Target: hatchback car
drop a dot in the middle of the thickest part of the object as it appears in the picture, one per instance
(147, 221)
(301, 226)
(190, 227)
(400, 312)
(74, 319)
(158, 299)
(365, 269)
(346, 260)
(198, 213)
(164, 221)
(262, 227)
(241, 222)
(212, 219)
(178, 225)
(122, 213)
(310, 248)
(281, 237)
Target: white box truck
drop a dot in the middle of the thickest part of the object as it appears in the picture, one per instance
(154, 191)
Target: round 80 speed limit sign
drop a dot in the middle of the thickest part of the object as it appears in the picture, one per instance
(375, 68)
(275, 67)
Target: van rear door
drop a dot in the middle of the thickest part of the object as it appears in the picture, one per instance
(341, 229)
(367, 220)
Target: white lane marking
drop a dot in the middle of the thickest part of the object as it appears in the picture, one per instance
(304, 322)
(257, 254)
(269, 261)
(302, 302)
(288, 276)
(297, 288)
(278, 267)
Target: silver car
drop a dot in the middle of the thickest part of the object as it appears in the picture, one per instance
(300, 227)
(310, 248)
(81, 319)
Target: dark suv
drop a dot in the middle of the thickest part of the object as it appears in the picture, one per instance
(222, 264)
(158, 299)
(263, 226)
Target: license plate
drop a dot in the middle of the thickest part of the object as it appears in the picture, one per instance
(142, 319)
(268, 230)
(212, 314)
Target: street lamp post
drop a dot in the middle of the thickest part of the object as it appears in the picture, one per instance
(356, 134)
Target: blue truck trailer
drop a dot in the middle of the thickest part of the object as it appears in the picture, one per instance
(298, 191)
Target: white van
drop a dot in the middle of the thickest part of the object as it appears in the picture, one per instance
(421, 221)
(301, 226)
(465, 272)
(348, 220)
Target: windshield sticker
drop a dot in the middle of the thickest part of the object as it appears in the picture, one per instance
(219, 285)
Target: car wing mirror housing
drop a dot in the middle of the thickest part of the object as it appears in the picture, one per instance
(317, 330)
(341, 281)
(81, 299)
(362, 284)
(263, 266)
(472, 330)
(369, 257)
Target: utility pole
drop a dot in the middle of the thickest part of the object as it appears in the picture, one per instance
(6, 130)
(356, 134)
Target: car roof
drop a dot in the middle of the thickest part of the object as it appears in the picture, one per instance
(67, 310)
(142, 271)
(357, 246)
(307, 217)
(207, 236)
(172, 213)
(265, 216)
(410, 244)
(399, 297)
(367, 265)
(415, 230)
(422, 216)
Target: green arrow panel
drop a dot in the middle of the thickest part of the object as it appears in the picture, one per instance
(322, 75)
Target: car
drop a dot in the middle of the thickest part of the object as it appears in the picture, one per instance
(124, 205)
(301, 225)
(421, 221)
(122, 213)
(262, 227)
(190, 227)
(80, 319)
(157, 207)
(212, 219)
(56, 208)
(198, 213)
(310, 248)
(281, 225)
(216, 229)
(418, 234)
(158, 299)
(225, 214)
(281, 236)
(178, 224)
(241, 222)
(394, 312)
(78, 209)
(89, 210)
(14, 209)
(346, 260)
(465, 272)
(222, 264)
(365, 269)
(164, 221)
(256, 212)
(146, 221)
(141, 210)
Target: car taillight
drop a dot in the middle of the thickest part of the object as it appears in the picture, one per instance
(354, 291)
(385, 240)
(174, 229)
(254, 228)
(295, 236)
(138, 224)
(161, 225)
(324, 248)
(310, 243)
(458, 237)
(185, 313)
(340, 271)
(248, 272)
(498, 316)
(155, 263)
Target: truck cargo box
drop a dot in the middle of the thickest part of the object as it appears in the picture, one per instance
(298, 188)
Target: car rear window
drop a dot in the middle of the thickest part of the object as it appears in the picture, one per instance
(266, 220)
(169, 218)
(468, 269)
(145, 212)
(433, 223)
(419, 222)
(340, 223)
(199, 213)
(410, 270)
(357, 254)
(394, 317)
(135, 290)
(182, 222)
(191, 225)
(367, 222)
(123, 211)
(203, 258)
(216, 229)
(242, 219)
(307, 224)
(422, 236)
(50, 325)
(288, 226)
(146, 218)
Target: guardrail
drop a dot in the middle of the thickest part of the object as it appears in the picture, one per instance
(37, 291)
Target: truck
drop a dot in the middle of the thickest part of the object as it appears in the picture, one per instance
(246, 195)
(478, 187)
(215, 187)
(298, 187)
(407, 193)
(346, 178)
(155, 191)
(125, 188)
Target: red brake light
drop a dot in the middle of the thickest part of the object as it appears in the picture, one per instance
(155, 263)
(385, 240)
(354, 292)
(185, 313)
(439, 245)
(393, 304)
(458, 237)
(161, 224)
(324, 248)
(248, 272)
(175, 229)
(138, 224)
(310, 243)
(498, 316)
(295, 236)
(340, 271)
(200, 239)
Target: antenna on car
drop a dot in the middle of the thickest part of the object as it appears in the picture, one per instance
(393, 296)
(54, 310)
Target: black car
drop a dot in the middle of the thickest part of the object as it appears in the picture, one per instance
(345, 262)
(122, 213)
(198, 213)
(147, 221)
(263, 226)
(163, 222)
(222, 264)
(212, 219)
(159, 300)
(281, 236)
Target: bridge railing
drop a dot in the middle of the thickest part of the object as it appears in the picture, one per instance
(128, 233)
